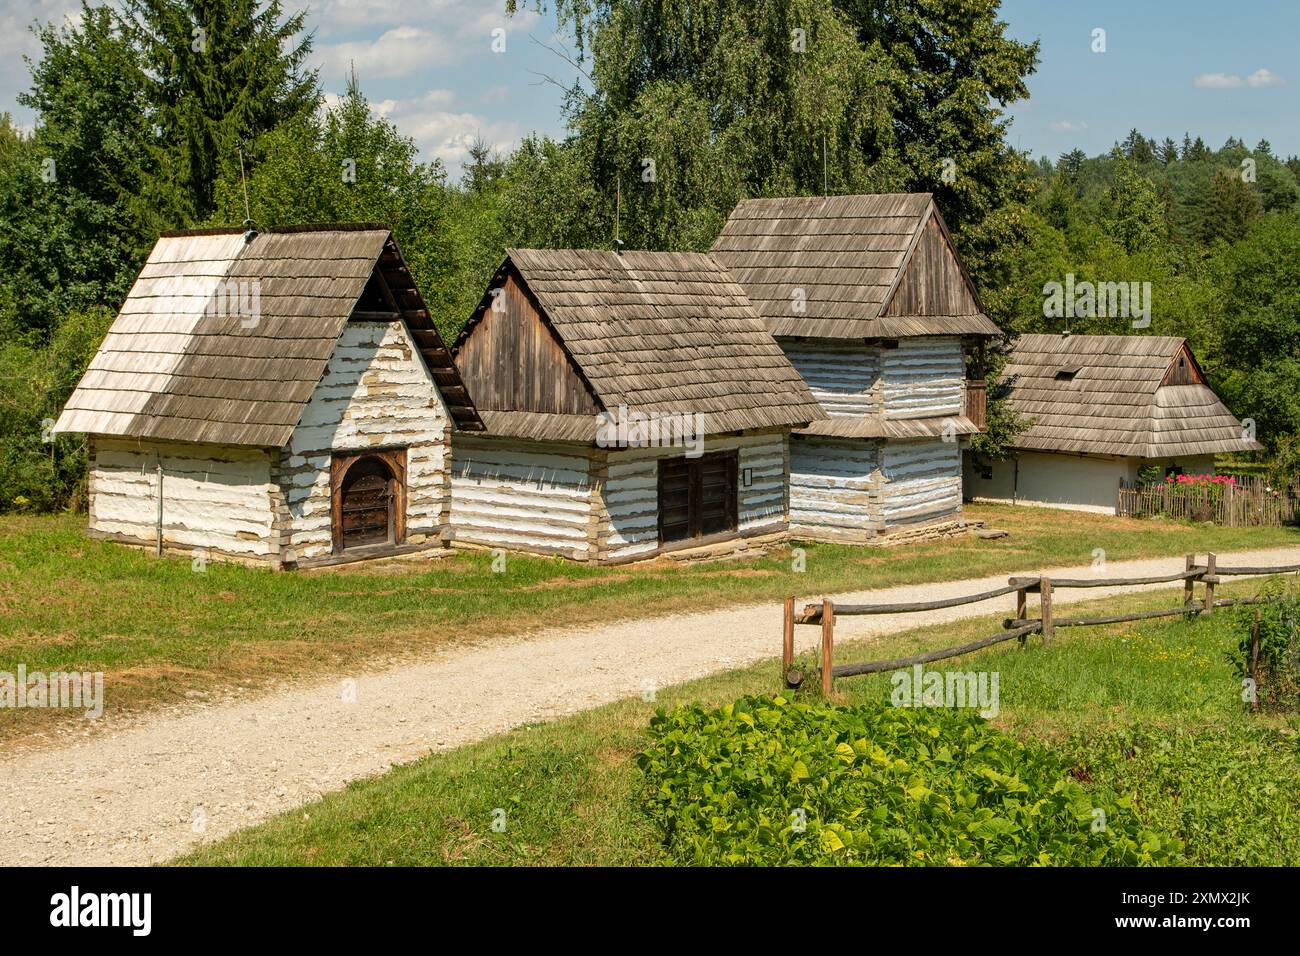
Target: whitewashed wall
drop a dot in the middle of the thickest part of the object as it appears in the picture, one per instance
(834, 487)
(631, 490)
(526, 496)
(1072, 482)
(842, 374)
(375, 393)
(923, 378)
(215, 497)
(922, 481)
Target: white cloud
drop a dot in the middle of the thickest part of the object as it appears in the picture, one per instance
(1261, 78)
(1067, 126)
(445, 133)
(461, 19)
(1217, 81)
(397, 52)
(1265, 78)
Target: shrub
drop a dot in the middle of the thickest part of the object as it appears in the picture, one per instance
(1279, 645)
(767, 781)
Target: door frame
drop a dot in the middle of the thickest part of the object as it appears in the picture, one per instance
(695, 494)
(340, 463)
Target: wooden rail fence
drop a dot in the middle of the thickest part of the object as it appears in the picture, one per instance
(1018, 627)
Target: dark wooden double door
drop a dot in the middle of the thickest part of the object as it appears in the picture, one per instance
(697, 496)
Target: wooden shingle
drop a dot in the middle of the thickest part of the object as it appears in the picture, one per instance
(1105, 395)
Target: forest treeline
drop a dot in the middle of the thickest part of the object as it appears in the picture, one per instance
(164, 114)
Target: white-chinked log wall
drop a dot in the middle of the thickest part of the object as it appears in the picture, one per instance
(521, 495)
(631, 491)
(842, 374)
(835, 487)
(216, 498)
(922, 481)
(375, 393)
(923, 378)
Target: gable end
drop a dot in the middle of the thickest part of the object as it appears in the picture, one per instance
(932, 280)
(512, 358)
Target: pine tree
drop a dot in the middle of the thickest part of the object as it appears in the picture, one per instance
(1229, 208)
(222, 72)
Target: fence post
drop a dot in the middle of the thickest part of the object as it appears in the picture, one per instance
(1045, 610)
(1254, 660)
(1210, 565)
(1022, 610)
(828, 641)
(1187, 582)
(787, 638)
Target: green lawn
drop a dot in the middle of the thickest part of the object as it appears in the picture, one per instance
(1149, 711)
(159, 630)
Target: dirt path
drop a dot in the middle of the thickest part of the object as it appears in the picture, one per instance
(134, 796)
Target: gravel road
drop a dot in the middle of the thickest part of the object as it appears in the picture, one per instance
(137, 794)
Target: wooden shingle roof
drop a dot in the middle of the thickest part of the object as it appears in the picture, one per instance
(183, 362)
(1105, 395)
(832, 267)
(661, 332)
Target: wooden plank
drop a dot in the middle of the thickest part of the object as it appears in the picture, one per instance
(787, 637)
(1210, 562)
(1045, 611)
(828, 646)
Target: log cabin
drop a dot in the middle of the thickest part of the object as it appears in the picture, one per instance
(280, 398)
(1099, 408)
(633, 405)
(867, 297)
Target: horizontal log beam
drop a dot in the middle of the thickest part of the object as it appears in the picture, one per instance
(874, 667)
(812, 612)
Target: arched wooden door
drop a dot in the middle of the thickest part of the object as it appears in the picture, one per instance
(368, 500)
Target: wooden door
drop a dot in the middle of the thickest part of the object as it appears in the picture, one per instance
(697, 496)
(368, 499)
(367, 504)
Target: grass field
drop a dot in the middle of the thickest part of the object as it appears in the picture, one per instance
(159, 630)
(1150, 711)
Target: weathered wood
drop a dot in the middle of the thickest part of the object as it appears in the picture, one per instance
(1188, 595)
(828, 646)
(1045, 610)
(1254, 660)
(1209, 578)
(787, 636)
(1022, 610)
(1105, 582)
(1280, 569)
(811, 615)
(873, 667)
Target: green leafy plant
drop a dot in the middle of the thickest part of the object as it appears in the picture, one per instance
(769, 781)
(1279, 645)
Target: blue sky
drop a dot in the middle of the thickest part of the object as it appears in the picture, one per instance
(1214, 68)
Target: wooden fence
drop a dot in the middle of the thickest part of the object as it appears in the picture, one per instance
(1250, 502)
(1020, 626)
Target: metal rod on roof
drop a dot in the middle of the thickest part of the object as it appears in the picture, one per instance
(826, 188)
(618, 211)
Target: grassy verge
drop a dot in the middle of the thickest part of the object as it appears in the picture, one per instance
(160, 631)
(1148, 711)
